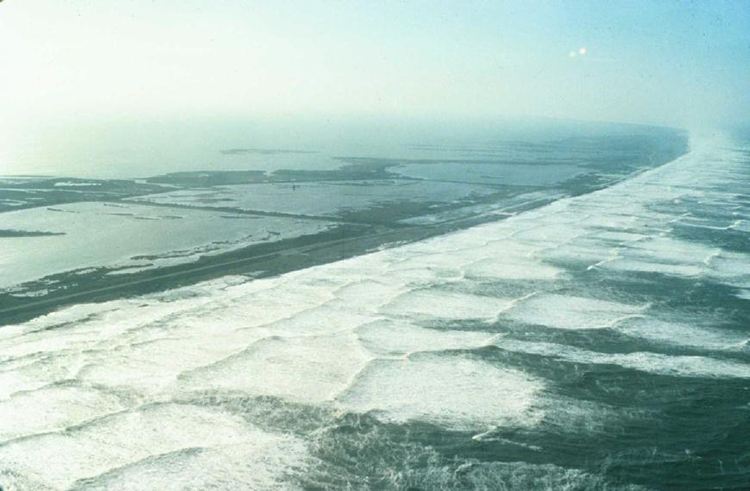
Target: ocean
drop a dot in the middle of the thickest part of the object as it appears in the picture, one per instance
(565, 310)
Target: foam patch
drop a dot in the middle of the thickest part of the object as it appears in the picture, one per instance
(103, 450)
(54, 408)
(389, 338)
(312, 370)
(443, 304)
(450, 391)
(568, 312)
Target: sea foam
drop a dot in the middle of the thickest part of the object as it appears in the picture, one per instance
(87, 394)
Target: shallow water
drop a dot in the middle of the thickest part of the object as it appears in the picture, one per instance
(127, 238)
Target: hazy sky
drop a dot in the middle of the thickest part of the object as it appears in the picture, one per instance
(680, 63)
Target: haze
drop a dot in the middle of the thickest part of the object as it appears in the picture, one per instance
(72, 64)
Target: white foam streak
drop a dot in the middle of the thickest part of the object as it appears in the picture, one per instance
(679, 366)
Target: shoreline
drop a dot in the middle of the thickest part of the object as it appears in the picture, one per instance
(343, 241)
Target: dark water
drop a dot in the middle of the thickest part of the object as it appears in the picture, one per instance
(599, 341)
